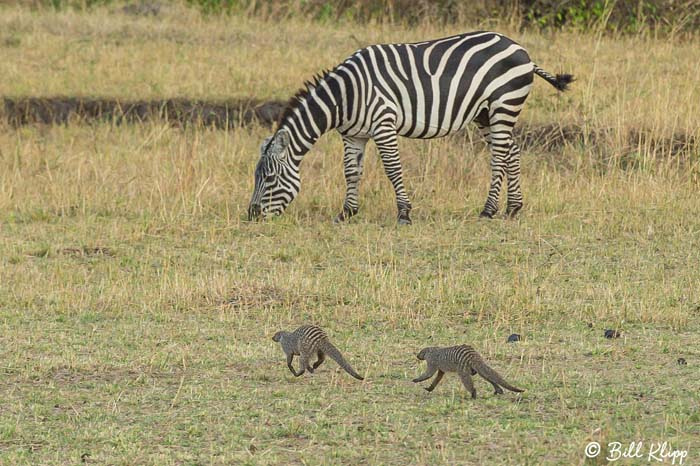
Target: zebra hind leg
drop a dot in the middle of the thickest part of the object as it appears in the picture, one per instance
(354, 149)
(497, 165)
(386, 140)
(504, 160)
(515, 195)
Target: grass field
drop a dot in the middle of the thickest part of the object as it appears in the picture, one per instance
(137, 305)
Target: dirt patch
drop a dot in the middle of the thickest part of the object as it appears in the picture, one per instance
(250, 296)
(68, 376)
(233, 114)
(108, 374)
(554, 137)
(179, 112)
(86, 251)
(253, 296)
(143, 8)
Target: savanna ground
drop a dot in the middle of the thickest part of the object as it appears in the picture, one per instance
(137, 304)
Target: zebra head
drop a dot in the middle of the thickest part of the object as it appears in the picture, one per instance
(276, 178)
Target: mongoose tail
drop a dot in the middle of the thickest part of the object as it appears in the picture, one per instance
(478, 365)
(331, 351)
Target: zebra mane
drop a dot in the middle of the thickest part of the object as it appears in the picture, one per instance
(301, 94)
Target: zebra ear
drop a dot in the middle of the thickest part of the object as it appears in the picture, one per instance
(280, 142)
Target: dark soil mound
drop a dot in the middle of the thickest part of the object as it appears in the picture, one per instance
(181, 112)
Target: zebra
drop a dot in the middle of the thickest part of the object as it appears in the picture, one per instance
(417, 90)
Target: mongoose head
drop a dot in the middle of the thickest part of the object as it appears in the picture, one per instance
(425, 352)
(278, 336)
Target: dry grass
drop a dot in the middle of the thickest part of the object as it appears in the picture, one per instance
(137, 305)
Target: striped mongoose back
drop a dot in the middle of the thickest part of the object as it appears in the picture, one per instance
(307, 341)
(464, 360)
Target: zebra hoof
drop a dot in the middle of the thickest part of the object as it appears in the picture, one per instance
(344, 215)
(486, 214)
(513, 211)
(404, 219)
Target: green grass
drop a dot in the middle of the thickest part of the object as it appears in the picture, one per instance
(157, 348)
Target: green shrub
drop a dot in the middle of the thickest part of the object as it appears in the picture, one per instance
(615, 15)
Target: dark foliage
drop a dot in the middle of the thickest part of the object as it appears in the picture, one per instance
(622, 15)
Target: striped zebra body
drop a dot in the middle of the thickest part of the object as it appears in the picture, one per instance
(419, 90)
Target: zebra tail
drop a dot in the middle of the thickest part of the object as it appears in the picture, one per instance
(330, 350)
(560, 82)
(492, 376)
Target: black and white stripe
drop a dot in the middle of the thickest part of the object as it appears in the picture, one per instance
(419, 90)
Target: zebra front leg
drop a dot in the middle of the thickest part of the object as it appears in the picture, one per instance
(354, 150)
(499, 163)
(386, 140)
(515, 195)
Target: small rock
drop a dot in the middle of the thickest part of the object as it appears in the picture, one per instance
(612, 334)
(590, 324)
(513, 338)
(682, 362)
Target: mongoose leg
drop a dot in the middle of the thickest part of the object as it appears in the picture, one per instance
(428, 374)
(468, 383)
(436, 381)
(321, 358)
(290, 358)
(304, 363)
(497, 388)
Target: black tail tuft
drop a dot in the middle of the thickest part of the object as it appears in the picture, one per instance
(560, 82)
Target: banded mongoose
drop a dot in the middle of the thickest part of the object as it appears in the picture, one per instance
(464, 360)
(307, 341)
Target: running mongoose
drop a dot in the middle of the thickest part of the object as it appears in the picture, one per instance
(306, 341)
(464, 360)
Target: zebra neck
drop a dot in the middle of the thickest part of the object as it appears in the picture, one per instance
(308, 118)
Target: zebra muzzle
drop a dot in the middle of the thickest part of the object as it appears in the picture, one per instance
(254, 212)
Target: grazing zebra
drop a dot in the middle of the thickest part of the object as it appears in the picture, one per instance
(419, 90)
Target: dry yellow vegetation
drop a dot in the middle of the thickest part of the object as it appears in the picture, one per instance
(137, 304)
